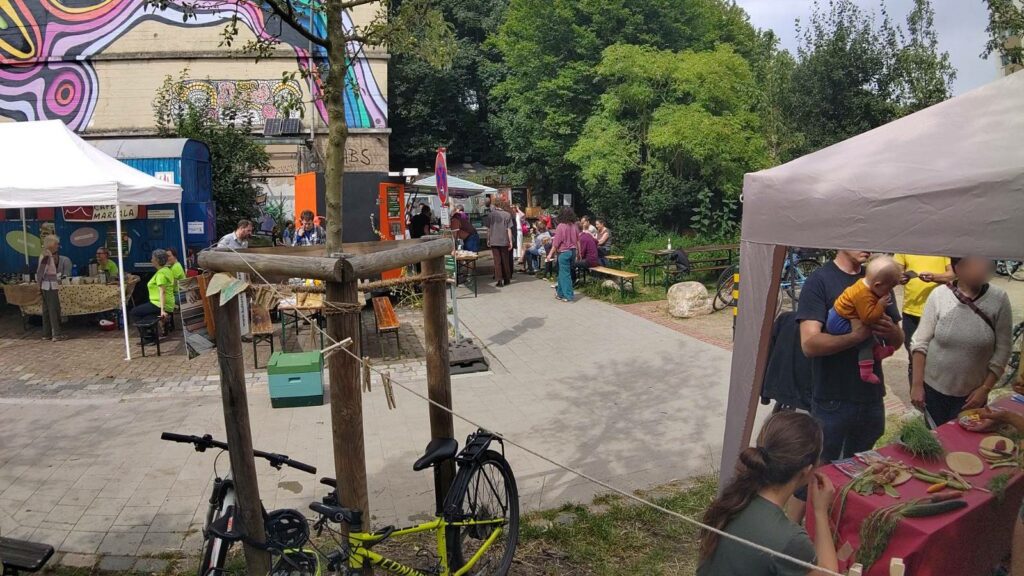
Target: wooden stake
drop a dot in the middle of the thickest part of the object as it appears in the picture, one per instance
(347, 403)
(439, 380)
(248, 513)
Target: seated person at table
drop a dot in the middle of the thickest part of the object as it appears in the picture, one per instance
(604, 240)
(537, 251)
(104, 264)
(161, 292)
(864, 303)
(588, 257)
(310, 233)
(177, 270)
(752, 506)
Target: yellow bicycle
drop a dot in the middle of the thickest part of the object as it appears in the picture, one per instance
(477, 524)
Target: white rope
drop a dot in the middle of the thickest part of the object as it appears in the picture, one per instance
(764, 549)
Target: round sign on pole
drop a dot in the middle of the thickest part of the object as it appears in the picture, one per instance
(441, 176)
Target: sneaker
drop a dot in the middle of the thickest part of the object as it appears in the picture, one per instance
(554, 285)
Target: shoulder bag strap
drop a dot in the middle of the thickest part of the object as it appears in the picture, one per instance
(970, 304)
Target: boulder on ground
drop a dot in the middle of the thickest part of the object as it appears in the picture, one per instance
(688, 299)
(610, 284)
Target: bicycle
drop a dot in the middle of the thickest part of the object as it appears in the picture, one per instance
(1014, 364)
(798, 266)
(479, 515)
(284, 527)
(1010, 268)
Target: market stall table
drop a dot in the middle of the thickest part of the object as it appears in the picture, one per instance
(76, 298)
(293, 310)
(969, 541)
(465, 264)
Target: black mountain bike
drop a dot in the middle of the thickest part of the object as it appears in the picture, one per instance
(285, 528)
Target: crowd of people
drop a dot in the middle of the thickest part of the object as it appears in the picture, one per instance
(956, 328)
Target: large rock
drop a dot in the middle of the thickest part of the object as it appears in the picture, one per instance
(688, 299)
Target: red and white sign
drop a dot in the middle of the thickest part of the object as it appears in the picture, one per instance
(441, 175)
(100, 213)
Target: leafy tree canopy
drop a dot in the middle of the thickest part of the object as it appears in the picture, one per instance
(1006, 31)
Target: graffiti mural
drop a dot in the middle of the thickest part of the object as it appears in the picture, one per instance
(46, 47)
(252, 101)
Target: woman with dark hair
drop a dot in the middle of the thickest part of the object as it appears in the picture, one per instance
(752, 506)
(962, 344)
(564, 246)
(161, 292)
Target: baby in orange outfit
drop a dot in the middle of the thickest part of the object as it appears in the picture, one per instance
(864, 302)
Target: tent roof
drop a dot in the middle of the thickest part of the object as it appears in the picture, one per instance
(946, 180)
(136, 148)
(45, 164)
(457, 187)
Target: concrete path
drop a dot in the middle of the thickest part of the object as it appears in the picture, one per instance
(602, 390)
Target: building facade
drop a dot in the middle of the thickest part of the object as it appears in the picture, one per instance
(98, 64)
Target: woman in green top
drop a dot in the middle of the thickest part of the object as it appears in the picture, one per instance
(752, 506)
(177, 270)
(161, 292)
(105, 265)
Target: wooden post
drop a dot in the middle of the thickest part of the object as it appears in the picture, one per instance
(439, 380)
(248, 513)
(347, 403)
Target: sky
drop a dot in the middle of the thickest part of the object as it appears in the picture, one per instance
(960, 25)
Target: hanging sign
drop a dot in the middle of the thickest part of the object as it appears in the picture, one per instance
(99, 213)
(441, 175)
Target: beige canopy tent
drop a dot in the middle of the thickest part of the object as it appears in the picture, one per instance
(948, 180)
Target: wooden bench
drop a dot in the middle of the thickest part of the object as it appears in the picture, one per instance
(386, 320)
(20, 556)
(651, 269)
(621, 276)
(262, 329)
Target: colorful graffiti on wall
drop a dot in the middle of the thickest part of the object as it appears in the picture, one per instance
(252, 101)
(46, 47)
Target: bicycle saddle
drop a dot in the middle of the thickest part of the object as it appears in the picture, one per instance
(438, 450)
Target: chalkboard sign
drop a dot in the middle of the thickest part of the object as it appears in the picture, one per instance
(394, 206)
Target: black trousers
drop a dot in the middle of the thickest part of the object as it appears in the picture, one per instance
(910, 323)
(942, 408)
(144, 313)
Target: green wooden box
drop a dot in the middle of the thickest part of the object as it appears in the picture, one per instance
(296, 379)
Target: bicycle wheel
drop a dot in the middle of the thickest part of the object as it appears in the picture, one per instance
(797, 275)
(485, 490)
(723, 293)
(1014, 364)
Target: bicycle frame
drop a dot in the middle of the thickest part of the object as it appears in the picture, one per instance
(361, 555)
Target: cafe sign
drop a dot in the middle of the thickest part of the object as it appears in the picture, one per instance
(103, 213)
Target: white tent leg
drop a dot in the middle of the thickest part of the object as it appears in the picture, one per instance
(120, 277)
(24, 235)
(181, 227)
(760, 270)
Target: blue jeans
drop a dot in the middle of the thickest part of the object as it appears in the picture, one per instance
(565, 262)
(472, 243)
(849, 427)
(532, 259)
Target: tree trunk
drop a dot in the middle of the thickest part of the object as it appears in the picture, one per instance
(337, 129)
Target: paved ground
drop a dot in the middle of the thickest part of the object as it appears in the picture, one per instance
(588, 384)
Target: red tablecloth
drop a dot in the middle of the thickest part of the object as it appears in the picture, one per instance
(967, 542)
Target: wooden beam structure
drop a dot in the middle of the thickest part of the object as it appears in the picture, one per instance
(316, 268)
(369, 265)
(248, 511)
(439, 379)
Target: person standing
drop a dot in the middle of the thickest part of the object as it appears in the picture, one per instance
(962, 344)
(310, 233)
(499, 238)
(851, 411)
(564, 246)
(288, 236)
(465, 231)
(239, 239)
(177, 270)
(52, 268)
(928, 273)
(518, 225)
(419, 225)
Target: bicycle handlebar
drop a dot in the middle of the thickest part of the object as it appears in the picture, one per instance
(202, 443)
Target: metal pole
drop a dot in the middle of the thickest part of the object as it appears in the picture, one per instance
(184, 250)
(120, 278)
(24, 235)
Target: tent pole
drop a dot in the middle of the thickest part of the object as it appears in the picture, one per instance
(24, 235)
(120, 278)
(181, 227)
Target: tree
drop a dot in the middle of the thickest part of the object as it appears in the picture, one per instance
(672, 137)
(1006, 31)
(451, 107)
(234, 155)
(551, 48)
(414, 27)
(853, 74)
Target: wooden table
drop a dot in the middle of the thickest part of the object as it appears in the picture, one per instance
(312, 308)
(465, 270)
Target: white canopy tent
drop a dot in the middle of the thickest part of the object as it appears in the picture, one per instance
(948, 180)
(46, 165)
(457, 187)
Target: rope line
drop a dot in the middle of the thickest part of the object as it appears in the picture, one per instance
(555, 463)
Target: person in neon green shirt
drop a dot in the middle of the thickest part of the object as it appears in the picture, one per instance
(177, 270)
(105, 264)
(161, 292)
(931, 272)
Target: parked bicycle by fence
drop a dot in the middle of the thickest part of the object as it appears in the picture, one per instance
(1013, 366)
(798, 266)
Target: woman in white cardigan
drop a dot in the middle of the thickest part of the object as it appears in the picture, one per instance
(962, 344)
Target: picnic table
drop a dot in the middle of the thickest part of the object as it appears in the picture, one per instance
(704, 263)
(971, 540)
(306, 305)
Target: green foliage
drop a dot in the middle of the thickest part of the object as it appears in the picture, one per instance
(449, 107)
(551, 50)
(1005, 22)
(854, 73)
(234, 156)
(919, 440)
(672, 136)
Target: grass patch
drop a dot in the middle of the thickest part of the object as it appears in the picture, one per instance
(616, 536)
(596, 289)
